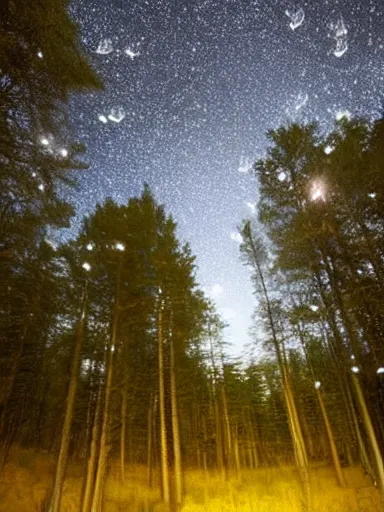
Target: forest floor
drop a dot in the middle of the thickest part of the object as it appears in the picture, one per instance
(28, 475)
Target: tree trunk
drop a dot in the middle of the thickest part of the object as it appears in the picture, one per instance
(103, 448)
(92, 459)
(163, 432)
(371, 433)
(332, 444)
(175, 432)
(123, 432)
(149, 444)
(61, 465)
(227, 430)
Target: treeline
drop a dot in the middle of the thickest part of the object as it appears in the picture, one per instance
(317, 258)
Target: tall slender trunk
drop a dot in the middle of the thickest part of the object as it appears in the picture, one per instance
(236, 452)
(103, 448)
(175, 432)
(227, 429)
(332, 444)
(371, 433)
(61, 465)
(219, 441)
(92, 458)
(149, 443)
(296, 432)
(123, 432)
(163, 429)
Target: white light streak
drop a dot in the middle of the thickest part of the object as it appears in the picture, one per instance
(103, 119)
(296, 17)
(116, 115)
(131, 54)
(105, 47)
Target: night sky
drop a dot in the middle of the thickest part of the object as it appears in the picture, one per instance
(191, 87)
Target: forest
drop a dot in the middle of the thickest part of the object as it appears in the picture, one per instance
(117, 391)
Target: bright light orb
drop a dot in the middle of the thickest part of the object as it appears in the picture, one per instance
(119, 246)
(317, 191)
(64, 152)
(355, 369)
(90, 247)
(41, 187)
(317, 384)
(40, 54)
(380, 371)
(44, 141)
(86, 266)
(103, 119)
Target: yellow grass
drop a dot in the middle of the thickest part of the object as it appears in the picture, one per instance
(27, 477)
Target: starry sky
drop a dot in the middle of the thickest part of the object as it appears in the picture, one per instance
(192, 86)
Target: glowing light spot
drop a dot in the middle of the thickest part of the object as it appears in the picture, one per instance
(41, 187)
(343, 114)
(314, 308)
(119, 246)
(328, 150)
(64, 152)
(103, 119)
(317, 384)
(372, 195)
(282, 176)
(90, 247)
(44, 141)
(40, 54)
(380, 371)
(236, 237)
(245, 165)
(317, 192)
(86, 266)
(355, 369)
